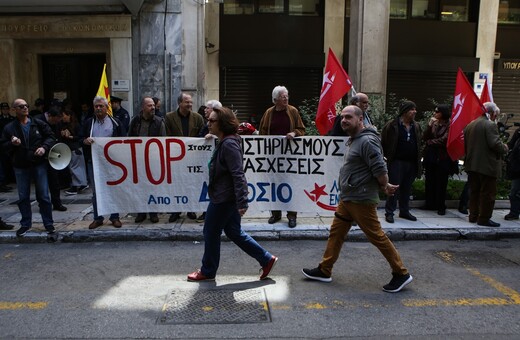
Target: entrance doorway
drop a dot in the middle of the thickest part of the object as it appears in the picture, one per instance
(75, 77)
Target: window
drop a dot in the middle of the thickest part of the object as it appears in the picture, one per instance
(424, 9)
(304, 7)
(398, 9)
(509, 12)
(239, 7)
(454, 10)
(270, 6)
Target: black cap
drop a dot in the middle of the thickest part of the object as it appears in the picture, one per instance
(4, 105)
(406, 106)
(115, 99)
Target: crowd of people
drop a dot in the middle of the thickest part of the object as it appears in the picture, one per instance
(388, 161)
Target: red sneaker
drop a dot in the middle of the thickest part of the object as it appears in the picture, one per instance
(268, 267)
(197, 276)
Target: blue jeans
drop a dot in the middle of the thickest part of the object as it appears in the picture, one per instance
(41, 185)
(225, 216)
(90, 170)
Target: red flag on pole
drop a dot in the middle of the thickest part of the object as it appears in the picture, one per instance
(486, 95)
(466, 108)
(336, 83)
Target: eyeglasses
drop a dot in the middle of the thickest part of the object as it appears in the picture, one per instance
(210, 120)
(22, 106)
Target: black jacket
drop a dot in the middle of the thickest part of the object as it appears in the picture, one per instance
(22, 156)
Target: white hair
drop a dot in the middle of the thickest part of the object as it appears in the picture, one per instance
(214, 104)
(277, 90)
(492, 108)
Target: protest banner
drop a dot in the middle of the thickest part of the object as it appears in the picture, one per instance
(164, 174)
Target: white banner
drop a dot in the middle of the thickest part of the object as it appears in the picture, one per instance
(169, 174)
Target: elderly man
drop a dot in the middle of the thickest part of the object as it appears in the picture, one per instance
(484, 151)
(363, 173)
(101, 125)
(27, 140)
(282, 119)
(183, 122)
(148, 124)
(401, 139)
(210, 105)
(361, 101)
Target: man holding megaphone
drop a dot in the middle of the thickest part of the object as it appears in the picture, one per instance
(27, 140)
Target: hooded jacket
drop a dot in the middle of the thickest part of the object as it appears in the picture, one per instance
(363, 163)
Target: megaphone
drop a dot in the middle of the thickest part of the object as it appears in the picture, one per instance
(59, 156)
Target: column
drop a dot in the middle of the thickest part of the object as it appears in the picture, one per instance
(121, 69)
(334, 28)
(486, 38)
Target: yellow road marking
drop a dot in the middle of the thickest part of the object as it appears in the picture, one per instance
(22, 305)
(315, 306)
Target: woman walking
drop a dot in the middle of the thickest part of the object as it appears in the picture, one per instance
(228, 200)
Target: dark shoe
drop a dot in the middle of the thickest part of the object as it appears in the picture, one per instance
(82, 188)
(268, 267)
(71, 191)
(316, 274)
(441, 212)
(95, 224)
(389, 218)
(50, 229)
(191, 215)
(59, 207)
(22, 231)
(463, 210)
(174, 217)
(510, 217)
(5, 226)
(201, 218)
(408, 216)
(273, 219)
(197, 276)
(116, 223)
(489, 223)
(292, 223)
(154, 218)
(354, 224)
(397, 283)
(140, 218)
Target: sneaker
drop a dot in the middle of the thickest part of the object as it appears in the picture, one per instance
(197, 276)
(268, 267)
(22, 231)
(71, 191)
(397, 283)
(316, 274)
(83, 188)
(201, 218)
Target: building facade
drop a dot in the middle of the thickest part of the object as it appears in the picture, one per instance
(238, 50)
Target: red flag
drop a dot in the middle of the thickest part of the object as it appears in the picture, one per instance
(336, 83)
(486, 95)
(466, 108)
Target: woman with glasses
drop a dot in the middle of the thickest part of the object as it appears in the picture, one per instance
(227, 191)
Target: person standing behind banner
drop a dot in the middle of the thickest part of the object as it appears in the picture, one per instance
(484, 150)
(436, 161)
(147, 124)
(183, 122)
(27, 140)
(120, 112)
(70, 135)
(6, 169)
(101, 125)
(227, 191)
(282, 119)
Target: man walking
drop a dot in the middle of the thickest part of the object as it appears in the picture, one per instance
(27, 141)
(362, 175)
(147, 124)
(484, 151)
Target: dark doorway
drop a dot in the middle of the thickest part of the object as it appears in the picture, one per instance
(75, 76)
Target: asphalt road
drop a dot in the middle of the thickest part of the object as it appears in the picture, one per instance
(462, 290)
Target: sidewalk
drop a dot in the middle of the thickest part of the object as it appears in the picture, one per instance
(72, 225)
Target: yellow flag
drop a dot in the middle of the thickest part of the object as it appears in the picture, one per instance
(103, 90)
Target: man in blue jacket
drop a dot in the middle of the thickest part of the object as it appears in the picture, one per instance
(27, 141)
